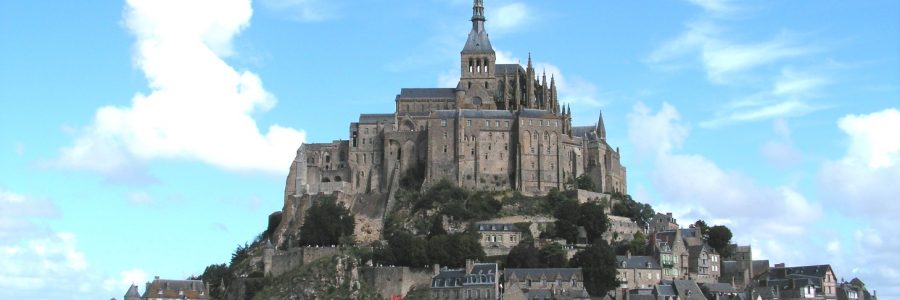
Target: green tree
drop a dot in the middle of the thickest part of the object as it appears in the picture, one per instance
(703, 228)
(240, 253)
(566, 225)
(523, 255)
(638, 245)
(594, 220)
(553, 256)
(437, 226)
(216, 275)
(326, 222)
(719, 238)
(598, 265)
(408, 250)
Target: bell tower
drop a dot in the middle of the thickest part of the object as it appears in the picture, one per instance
(477, 62)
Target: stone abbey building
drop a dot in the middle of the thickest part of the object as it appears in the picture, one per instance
(501, 128)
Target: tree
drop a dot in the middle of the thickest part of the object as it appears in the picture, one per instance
(638, 245)
(719, 238)
(408, 250)
(567, 214)
(553, 256)
(598, 265)
(582, 182)
(594, 220)
(703, 228)
(326, 222)
(216, 275)
(523, 255)
(240, 253)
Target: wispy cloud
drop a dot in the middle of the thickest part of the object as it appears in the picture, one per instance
(509, 17)
(715, 6)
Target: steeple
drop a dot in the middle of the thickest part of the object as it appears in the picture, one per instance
(554, 103)
(478, 41)
(529, 83)
(601, 128)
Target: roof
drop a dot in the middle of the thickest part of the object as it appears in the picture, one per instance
(478, 42)
(427, 93)
(695, 250)
(456, 277)
(538, 273)
(133, 292)
(375, 118)
(688, 289)
(181, 289)
(501, 69)
(535, 113)
(665, 290)
(636, 262)
(474, 114)
(588, 132)
(549, 294)
(718, 287)
(497, 227)
(815, 271)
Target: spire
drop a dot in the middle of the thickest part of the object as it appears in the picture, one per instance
(529, 83)
(478, 41)
(601, 128)
(529, 60)
(554, 105)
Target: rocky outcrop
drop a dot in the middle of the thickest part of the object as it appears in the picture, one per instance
(334, 277)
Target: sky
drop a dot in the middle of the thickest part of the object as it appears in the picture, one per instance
(151, 137)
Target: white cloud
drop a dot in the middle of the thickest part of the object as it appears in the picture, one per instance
(715, 6)
(696, 187)
(21, 216)
(139, 198)
(508, 17)
(125, 280)
(303, 10)
(863, 183)
(198, 108)
(781, 151)
(44, 267)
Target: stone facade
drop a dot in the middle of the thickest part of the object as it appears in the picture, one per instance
(704, 264)
(165, 289)
(548, 283)
(498, 238)
(276, 262)
(662, 222)
(637, 272)
(476, 281)
(395, 281)
(501, 128)
(671, 253)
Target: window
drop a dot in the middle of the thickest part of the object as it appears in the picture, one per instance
(497, 124)
(445, 135)
(507, 124)
(487, 123)
(469, 123)
(444, 123)
(445, 148)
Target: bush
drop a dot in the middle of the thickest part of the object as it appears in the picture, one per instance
(326, 222)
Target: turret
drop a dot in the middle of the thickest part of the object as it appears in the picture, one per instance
(554, 104)
(477, 56)
(545, 92)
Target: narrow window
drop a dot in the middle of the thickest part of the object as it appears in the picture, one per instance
(469, 123)
(444, 123)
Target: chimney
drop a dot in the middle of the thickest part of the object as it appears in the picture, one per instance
(470, 264)
(436, 269)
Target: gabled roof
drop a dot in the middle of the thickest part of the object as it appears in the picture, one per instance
(718, 287)
(133, 292)
(375, 118)
(688, 289)
(545, 273)
(814, 271)
(500, 69)
(181, 289)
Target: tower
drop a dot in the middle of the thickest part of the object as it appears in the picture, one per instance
(601, 129)
(477, 62)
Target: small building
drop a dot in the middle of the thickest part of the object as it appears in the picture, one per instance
(132, 293)
(544, 283)
(662, 222)
(820, 276)
(718, 290)
(476, 281)
(704, 263)
(167, 289)
(854, 290)
(637, 272)
(498, 238)
(679, 290)
(670, 251)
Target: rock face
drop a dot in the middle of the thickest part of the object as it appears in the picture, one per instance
(334, 277)
(368, 209)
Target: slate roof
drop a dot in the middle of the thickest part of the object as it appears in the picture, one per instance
(375, 118)
(427, 93)
(665, 290)
(546, 273)
(180, 289)
(694, 250)
(718, 287)
(815, 271)
(535, 113)
(548, 294)
(497, 227)
(474, 114)
(636, 262)
(478, 42)
(511, 69)
(588, 132)
(457, 277)
(133, 292)
(760, 267)
(688, 289)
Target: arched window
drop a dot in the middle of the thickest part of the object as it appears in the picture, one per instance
(337, 179)
(326, 179)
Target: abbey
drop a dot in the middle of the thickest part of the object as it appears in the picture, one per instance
(501, 128)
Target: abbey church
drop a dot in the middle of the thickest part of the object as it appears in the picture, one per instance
(501, 128)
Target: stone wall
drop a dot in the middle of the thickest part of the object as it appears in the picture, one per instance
(284, 261)
(395, 281)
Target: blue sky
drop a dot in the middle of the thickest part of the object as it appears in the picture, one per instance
(144, 138)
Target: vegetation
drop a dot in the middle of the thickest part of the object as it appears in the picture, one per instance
(582, 182)
(216, 275)
(703, 228)
(637, 246)
(636, 211)
(406, 249)
(719, 238)
(598, 265)
(553, 256)
(523, 255)
(327, 221)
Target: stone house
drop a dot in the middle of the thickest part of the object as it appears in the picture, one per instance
(679, 290)
(544, 283)
(475, 281)
(167, 289)
(672, 254)
(738, 268)
(635, 272)
(704, 263)
(854, 290)
(498, 238)
(820, 276)
(662, 222)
